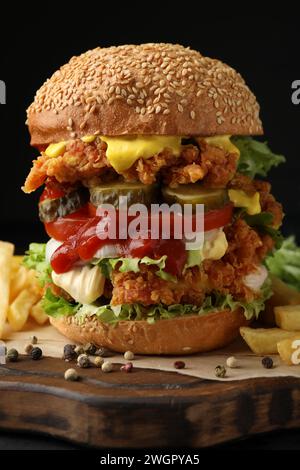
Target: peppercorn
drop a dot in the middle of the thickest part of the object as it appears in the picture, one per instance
(12, 355)
(220, 371)
(83, 361)
(232, 362)
(36, 353)
(90, 348)
(33, 339)
(107, 366)
(127, 367)
(128, 355)
(69, 352)
(179, 365)
(28, 348)
(98, 361)
(71, 375)
(104, 352)
(267, 362)
(79, 350)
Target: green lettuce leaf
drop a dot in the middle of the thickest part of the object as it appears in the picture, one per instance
(133, 264)
(35, 258)
(57, 306)
(256, 158)
(216, 301)
(285, 262)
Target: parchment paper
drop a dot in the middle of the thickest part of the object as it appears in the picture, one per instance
(198, 365)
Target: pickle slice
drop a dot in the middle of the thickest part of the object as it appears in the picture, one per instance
(109, 193)
(196, 194)
(51, 209)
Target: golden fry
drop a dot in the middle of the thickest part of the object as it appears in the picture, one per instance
(287, 317)
(6, 254)
(37, 312)
(19, 310)
(289, 350)
(264, 341)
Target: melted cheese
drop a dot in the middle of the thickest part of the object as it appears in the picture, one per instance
(242, 199)
(223, 142)
(85, 284)
(122, 152)
(55, 150)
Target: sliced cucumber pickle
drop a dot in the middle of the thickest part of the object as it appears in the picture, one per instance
(109, 193)
(51, 209)
(196, 194)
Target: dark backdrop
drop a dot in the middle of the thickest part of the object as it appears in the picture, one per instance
(261, 47)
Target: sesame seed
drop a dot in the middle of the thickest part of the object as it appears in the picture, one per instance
(157, 109)
(180, 108)
(192, 114)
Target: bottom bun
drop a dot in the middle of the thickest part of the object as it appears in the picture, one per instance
(181, 335)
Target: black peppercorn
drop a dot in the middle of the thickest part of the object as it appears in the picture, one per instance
(69, 352)
(179, 365)
(267, 362)
(220, 371)
(104, 352)
(36, 353)
(90, 348)
(12, 355)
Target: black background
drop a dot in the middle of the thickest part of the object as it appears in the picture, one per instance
(262, 47)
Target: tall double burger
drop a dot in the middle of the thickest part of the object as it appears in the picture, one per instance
(155, 123)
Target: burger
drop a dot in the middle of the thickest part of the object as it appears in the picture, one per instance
(155, 123)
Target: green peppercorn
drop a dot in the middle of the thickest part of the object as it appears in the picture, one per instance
(28, 348)
(83, 361)
(90, 348)
(220, 371)
(69, 352)
(36, 353)
(267, 362)
(79, 349)
(12, 355)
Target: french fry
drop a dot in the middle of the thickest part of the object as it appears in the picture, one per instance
(6, 254)
(18, 282)
(37, 312)
(264, 341)
(289, 350)
(19, 310)
(287, 317)
(283, 294)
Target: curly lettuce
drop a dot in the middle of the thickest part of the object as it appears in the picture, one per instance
(285, 263)
(56, 306)
(35, 258)
(256, 158)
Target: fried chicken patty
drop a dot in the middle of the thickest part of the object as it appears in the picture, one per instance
(82, 161)
(246, 250)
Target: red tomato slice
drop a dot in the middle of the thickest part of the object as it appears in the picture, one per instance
(218, 218)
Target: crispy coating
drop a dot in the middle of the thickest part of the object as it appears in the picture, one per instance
(246, 250)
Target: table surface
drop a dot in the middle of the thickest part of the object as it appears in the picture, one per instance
(287, 440)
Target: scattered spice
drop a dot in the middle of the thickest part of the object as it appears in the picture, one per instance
(179, 365)
(267, 362)
(28, 348)
(98, 361)
(220, 371)
(127, 367)
(232, 362)
(36, 353)
(107, 366)
(104, 352)
(79, 349)
(71, 375)
(83, 361)
(33, 339)
(90, 348)
(129, 356)
(12, 355)
(69, 352)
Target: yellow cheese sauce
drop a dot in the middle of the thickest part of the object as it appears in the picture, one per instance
(241, 199)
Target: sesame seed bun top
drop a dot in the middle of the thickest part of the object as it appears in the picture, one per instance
(162, 89)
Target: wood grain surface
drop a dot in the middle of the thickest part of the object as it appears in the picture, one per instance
(143, 408)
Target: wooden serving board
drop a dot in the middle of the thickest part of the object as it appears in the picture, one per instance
(143, 408)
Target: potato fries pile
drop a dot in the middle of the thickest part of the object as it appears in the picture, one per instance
(284, 339)
(20, 292)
